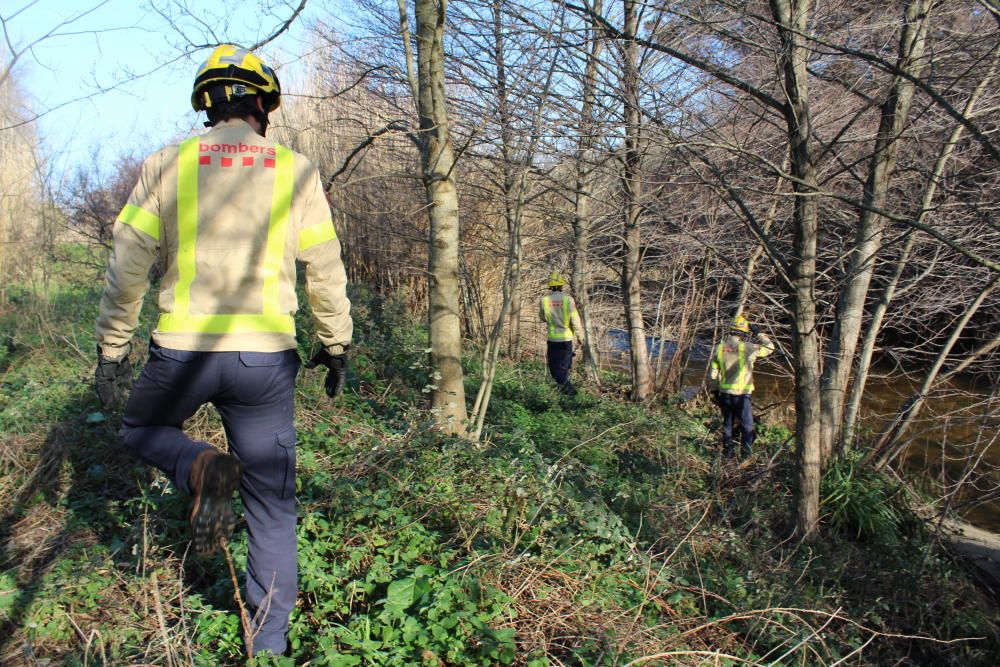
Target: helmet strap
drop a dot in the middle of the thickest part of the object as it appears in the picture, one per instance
(213, 97)
(261, 116)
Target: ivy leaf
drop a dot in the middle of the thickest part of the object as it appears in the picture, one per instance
(400, 594)
(675, 597)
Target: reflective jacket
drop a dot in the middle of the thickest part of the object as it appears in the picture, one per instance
(558, 311)
(227, 214)
(732, 363)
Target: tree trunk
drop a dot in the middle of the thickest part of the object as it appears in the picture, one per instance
(514, 330)
(868, 240)
(791, 18)
(888, 292)
(631, 191)
(438, 173)
(491, 351)
(580, 276)
(584, 191)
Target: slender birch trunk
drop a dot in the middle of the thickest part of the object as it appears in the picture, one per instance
(868, 239)
(515, 188)
(889, 290)
(514, 327)
(585, 182)
(632, 191)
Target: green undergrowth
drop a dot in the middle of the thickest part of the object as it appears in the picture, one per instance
(579, 531)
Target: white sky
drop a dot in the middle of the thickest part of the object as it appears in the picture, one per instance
(64, 73)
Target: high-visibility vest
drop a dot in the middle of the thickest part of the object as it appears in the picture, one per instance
(558, 331)
(732, 364)
(270, 319)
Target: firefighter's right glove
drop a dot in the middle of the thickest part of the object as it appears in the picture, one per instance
(755, 329)
(112, 378)
(336, 377)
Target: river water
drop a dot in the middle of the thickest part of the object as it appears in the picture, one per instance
(955, 438)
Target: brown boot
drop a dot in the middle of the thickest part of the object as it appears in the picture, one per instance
(213, 480)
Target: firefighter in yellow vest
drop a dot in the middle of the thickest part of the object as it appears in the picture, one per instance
(558, 310)
(227, 215)
(731, 378)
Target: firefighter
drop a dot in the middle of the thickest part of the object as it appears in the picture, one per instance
(558, 310)
(227, 214)
(731, 381)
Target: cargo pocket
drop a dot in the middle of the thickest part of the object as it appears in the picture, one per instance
(286, 459)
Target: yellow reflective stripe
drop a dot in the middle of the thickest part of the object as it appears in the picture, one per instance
(547, 307)
(741, 365)
(720, 360)
(187, 224)
(281, 206)
(141, 219)
(566, 332)
(316, 234)
(225, 324)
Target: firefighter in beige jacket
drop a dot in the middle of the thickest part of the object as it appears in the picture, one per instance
(227, 215)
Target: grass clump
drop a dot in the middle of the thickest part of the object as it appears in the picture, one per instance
(861, 503)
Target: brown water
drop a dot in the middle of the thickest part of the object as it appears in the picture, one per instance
(955, 437)
(952, 450)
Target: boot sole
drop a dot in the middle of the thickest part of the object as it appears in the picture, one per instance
(212, 517)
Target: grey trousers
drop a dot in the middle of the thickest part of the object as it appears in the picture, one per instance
(253, 393)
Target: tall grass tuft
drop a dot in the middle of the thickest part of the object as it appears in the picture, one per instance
(860, 502)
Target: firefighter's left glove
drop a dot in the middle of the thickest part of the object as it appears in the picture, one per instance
(755, 330)
(336, 377)
(112, 378)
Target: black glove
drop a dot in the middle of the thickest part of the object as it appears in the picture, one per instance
(755, 329)
(112, 378)
(336, 378)
(717, 397)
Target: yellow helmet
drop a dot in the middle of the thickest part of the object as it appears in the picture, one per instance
(234, 72)
(556, 279)
(740, 324)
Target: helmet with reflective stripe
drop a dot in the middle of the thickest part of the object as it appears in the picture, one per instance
(556, 279)
(740, 324)
(232, 72)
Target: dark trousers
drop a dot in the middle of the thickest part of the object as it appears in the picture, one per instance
(560, 357)
(253, 393)
(736, 406)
